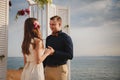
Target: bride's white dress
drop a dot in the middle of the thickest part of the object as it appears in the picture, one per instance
(32, 70)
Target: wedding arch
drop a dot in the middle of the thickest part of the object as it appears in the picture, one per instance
(40, 9)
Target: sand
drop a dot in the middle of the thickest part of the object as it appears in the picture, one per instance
(14, 74)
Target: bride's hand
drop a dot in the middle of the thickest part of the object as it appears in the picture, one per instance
(49, 50)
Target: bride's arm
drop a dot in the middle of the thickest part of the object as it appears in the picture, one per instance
(39, 49)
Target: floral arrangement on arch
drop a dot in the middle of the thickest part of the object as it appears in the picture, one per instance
(40, 3)
(22, 12)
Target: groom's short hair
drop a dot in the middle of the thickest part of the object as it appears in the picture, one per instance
(57, 18)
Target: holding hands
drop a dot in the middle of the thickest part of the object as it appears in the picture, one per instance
(49, 50)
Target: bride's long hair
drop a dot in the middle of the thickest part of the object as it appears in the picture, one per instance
(31, 31)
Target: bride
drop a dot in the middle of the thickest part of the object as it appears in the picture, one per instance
(33, 51)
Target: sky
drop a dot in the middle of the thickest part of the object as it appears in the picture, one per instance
(94, 27)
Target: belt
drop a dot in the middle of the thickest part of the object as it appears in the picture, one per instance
(55, 65)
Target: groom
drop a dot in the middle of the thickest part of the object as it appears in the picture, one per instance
(55, 65)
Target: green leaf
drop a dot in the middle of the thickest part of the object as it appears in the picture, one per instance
(41, 3)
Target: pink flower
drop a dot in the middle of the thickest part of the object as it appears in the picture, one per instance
(36, 24)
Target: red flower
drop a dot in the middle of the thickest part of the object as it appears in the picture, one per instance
(21, 12)
(27, 11)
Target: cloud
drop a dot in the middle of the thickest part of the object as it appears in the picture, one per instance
(89, 13)
(90, 7)
(112, 10)
(95, 13)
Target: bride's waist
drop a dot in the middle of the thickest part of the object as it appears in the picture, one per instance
(30, 61)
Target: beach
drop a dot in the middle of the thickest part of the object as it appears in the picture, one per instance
(13, 74)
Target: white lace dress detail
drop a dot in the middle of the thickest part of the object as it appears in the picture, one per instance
(32, 70)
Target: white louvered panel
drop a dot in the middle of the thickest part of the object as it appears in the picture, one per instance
(2, 21)
(2, 69)
(51, 11)
(3, 37)
(4, 15)
(2, 12)
(63, 12)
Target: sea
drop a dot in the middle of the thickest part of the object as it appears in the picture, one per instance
(85, 67)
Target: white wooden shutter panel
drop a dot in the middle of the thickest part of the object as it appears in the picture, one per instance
(63, 12)
(4, 11)
(51, 11)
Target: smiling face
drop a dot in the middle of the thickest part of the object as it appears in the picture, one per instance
(55, 23)
(55, 26)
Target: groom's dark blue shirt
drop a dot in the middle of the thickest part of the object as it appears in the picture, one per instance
(63, 46)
